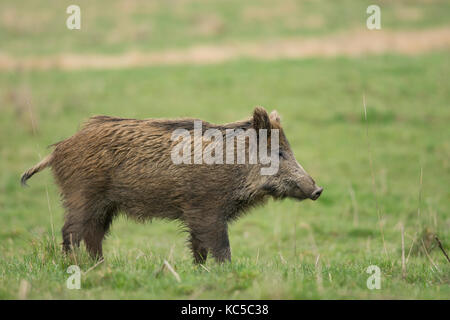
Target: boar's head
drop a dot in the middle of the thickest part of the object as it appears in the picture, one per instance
(291, 180)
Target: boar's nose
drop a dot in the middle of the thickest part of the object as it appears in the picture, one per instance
(316, 194)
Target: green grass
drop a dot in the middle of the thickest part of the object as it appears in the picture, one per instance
(112, 26)
(275, 247)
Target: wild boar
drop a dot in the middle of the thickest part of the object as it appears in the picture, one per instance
(115, 165)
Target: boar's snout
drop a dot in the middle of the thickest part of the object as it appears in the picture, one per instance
(306, 184)
(316, 193)
(309, 189)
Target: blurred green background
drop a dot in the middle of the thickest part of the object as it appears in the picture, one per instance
(284, 250)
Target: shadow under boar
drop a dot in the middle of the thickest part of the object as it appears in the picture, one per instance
(117, 165)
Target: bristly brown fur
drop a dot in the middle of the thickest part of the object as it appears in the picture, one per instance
(115, 164)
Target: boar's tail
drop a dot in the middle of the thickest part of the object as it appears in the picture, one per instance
(44, 163)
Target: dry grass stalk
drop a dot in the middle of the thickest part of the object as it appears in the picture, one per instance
(429, 258)
(318, 268)
(204, 267)
(355, 206)
(420, 198)
(412, 245)
(295, 241)
(51, 217)
(282, 258)
(33, 120)
(373, 179)
(73, 250)
(169, 258)
(403, 253)
(94, 266)
(174, 273)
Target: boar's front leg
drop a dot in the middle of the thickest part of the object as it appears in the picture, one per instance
(220, 245)
(210, 236)
(199, 251)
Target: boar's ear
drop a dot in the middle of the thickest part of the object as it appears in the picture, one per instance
(275, 117)
(261, 119)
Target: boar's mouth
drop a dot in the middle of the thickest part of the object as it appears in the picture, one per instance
(280, 195)
(297, 194)
(300, 197)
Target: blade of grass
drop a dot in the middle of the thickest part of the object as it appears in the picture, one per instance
(377, 205)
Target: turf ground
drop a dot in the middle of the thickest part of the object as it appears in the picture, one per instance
(284, 250)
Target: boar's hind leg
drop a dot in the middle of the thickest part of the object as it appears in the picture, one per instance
(89, 222)
(71, 231)
(95, 230)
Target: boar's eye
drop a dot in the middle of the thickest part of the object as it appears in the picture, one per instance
(281, 154)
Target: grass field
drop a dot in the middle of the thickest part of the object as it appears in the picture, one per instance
(111, 26)
(284, 250)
